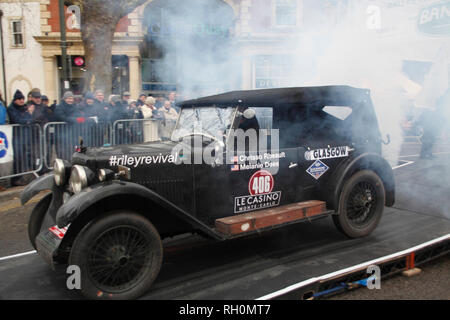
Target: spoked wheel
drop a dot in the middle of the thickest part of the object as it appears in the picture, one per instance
(361, 204)
(119, 256)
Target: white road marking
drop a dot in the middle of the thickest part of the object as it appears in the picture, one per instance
(418, 155)
(403, 165)
(18, 255)
(361, 266)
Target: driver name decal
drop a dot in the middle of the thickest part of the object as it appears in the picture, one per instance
(258, 161)
(328, 153)
(260, 187)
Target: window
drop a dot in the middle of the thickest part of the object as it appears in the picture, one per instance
(17, 36)
(273, 71)
(340, 112)
(285, 13)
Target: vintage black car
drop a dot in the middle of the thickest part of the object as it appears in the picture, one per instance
(318, 154)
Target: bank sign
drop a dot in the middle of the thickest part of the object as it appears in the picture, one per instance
(435, 19)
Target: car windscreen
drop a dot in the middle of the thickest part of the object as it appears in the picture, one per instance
(209, 120)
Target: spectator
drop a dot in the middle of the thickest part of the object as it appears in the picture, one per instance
(101, 109)
(141, 100)
(45, 101)
(18, 112)
(125, 99)
(159, 101)
(49, 110)
(116, 110)
(133, 111)
(86, 108)
(67, 111)
(30, 93)
(4, 119)
(149, 110)
(170, 117)
(41, 114)
(168, 112)
(172, 98)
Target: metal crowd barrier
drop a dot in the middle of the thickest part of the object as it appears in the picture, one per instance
(61, 138)
(27, 152)
(142, 130)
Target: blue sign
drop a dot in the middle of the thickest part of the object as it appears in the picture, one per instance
(3, 144)
(435, 19)
(317, 169)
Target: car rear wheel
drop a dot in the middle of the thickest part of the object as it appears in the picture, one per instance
(119, 256)
(361, 204)
(37, 218)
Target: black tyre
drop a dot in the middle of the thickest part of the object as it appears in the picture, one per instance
(37, 217)
(119, 256)
(361, 204)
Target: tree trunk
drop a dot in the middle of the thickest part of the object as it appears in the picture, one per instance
(99, 19)
(98, 35)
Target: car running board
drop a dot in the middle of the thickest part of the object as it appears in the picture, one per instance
(263, 220)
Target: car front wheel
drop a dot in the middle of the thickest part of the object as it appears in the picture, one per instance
(119, 256)
(361, 204)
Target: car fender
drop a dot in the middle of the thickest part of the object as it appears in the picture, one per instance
(363, 161)
(78, 203)
(46, 182)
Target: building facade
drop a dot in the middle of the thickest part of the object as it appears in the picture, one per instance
(204, 47)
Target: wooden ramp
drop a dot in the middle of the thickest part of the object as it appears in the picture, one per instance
(261, 219)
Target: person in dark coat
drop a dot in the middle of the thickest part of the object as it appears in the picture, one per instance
(101, 108)
(67, 111)
(4, 119)
(125, 99)
(141, 100)
(86, 108)
(48, 109)
(41, 114)
(24, 156)
(18, 111)
(116, 111)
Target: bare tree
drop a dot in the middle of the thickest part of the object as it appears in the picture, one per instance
(99, 19)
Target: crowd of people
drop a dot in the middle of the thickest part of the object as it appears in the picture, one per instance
(90, 107)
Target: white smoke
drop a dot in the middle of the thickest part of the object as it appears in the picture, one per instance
(361, 43)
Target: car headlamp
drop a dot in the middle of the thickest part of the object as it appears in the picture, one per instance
(105, 174)
(80, 178)
(61, 170)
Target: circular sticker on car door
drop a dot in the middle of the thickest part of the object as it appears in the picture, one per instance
(261, 182)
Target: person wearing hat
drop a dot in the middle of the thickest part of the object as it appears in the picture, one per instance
(41, 113)
(29, 95)
(101, 107)
(125, 99)
(86, 107)
(18, 111)
(133, 110)
(116, 110)
(141, 100)
(67, 111)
